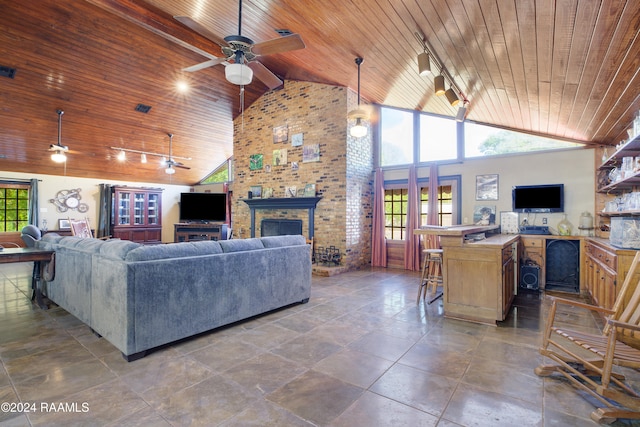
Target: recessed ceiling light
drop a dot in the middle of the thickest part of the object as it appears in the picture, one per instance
(182, 87)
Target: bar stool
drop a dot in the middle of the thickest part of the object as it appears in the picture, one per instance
(431, 274)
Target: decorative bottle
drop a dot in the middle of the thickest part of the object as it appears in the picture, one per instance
(564, 226)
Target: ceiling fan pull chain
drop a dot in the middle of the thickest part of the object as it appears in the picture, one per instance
(242, 108)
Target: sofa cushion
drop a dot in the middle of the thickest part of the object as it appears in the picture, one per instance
(117, 249)
(51, 237)
(240, 245)
(174, 250)
(280, 241)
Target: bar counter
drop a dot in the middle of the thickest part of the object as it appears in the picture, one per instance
(479, 276)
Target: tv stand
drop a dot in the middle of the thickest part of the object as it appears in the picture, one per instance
(193, 231)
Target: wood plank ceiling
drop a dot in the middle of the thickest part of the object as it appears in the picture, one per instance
(564, 68)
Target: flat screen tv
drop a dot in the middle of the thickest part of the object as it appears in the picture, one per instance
(538, 198)
(203, 207)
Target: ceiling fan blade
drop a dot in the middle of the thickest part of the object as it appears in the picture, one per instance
(204, 64)
(200, 29)
(279, 45)
(181, 166)
(265, 75)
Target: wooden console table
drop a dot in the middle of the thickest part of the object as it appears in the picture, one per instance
(189, 232)
(37, 256)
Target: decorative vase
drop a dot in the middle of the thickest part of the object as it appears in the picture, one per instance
(564, 226)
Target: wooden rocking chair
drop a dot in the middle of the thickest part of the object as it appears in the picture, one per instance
(619, 345)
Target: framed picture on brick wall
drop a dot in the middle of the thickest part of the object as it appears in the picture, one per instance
(296, 139)
(255, 162)
(280, 133)
(311, 153)
(280, 157)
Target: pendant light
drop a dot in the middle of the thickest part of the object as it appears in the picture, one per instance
(58, 149)
(358, 130)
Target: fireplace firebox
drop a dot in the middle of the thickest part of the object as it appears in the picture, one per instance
(280, 227)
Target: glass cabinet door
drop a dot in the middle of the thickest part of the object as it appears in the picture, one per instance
(152, 209)
(124, 209)
(138, 208)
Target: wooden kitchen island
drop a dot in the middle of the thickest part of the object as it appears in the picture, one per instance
(479, 276)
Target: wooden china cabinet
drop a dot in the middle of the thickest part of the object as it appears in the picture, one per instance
(136, 214)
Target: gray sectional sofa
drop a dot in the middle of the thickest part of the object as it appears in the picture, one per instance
(140, 297)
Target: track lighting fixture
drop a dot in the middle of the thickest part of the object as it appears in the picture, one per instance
(424, 65)
(122, 156)
(58, 149)
(462, 111)
(143, 158)
(438, 83)
(454, 94)
(359, 129)
(452, 97)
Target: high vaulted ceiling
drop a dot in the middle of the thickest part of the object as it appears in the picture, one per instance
(565, 68)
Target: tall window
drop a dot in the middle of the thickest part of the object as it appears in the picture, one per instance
(14, 207)
(395, 213)
(222, 173)
(396, 135)
(395, 209)
(481, 140)
(445, 205)
(438, 138)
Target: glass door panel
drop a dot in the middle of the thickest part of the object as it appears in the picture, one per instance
(138, 208)
(124, 209)
(152, 209)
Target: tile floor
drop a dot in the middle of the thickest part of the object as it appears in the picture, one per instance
(360, 353)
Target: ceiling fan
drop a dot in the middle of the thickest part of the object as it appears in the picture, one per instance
(171, 163)
(243, 51)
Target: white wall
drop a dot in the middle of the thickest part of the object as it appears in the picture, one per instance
(574, 168)
(50, 185)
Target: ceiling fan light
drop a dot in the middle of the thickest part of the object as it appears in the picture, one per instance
(238, 74)
(359, 129)
(59, 157)
(170, 170)
(452, 97)
(424, 66)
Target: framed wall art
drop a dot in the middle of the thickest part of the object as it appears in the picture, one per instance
(64, 224)
(484, 215)
(280, 133)
(255, 162)
(311, 153)
(291, 191)
(256, 191)
(297, 139)
(487, 187)
(280, 157)
(309, 190)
